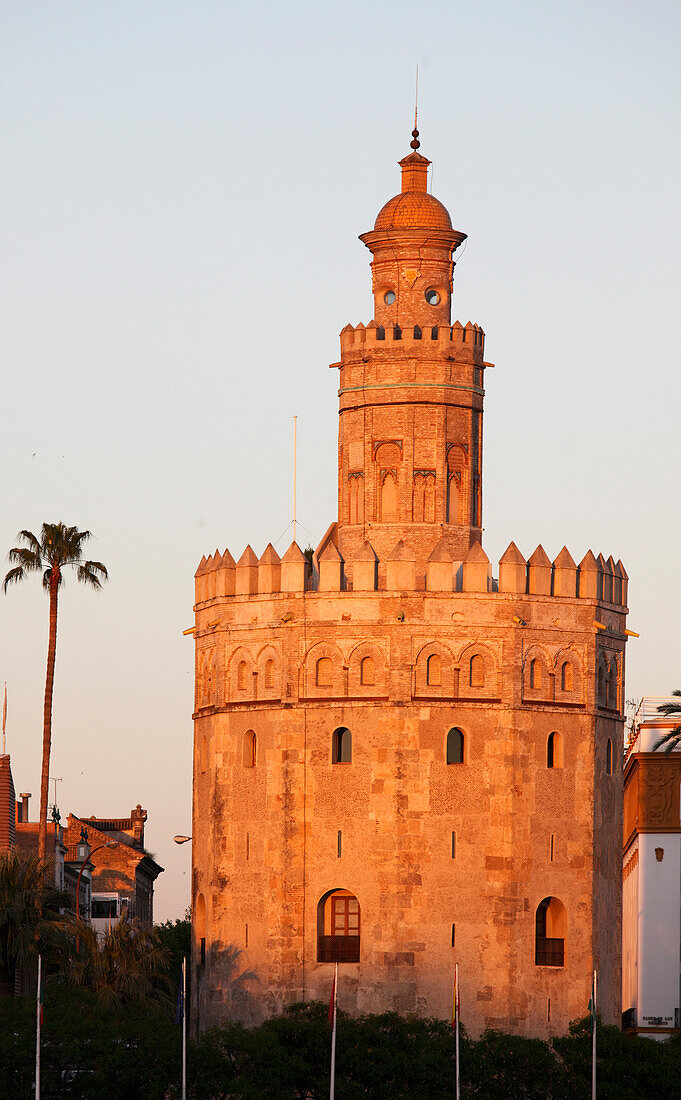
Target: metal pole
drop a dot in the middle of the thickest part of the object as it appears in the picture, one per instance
(593, 1044)
(332, 1090)
(37, 1028)
(295, 450)
(184, 1027)
(456, 1009)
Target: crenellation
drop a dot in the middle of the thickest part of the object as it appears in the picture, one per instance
(539, 573)
(246, 582)
(565, 575)
(512, 570)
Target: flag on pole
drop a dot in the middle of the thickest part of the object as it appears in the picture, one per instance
(179, 1010)
(332, 1001)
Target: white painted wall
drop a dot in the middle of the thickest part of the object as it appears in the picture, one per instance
(630, 909)
(659, 928)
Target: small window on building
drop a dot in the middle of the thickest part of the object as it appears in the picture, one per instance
(455, 746)
(552, 847)
(433, 332)
(608, 757)
(550, 933)
(338, 927)
(453, 935)
(434, 670)
(567, 677)
(380, 333)
(249, 749)
(324, 674)
(342, 746)
(453, 845)
(367, 672)
(477, 671)
(339, 850)
(417, 332)
(554, 751)
(241, 676)
(535, 673)
(397, 332)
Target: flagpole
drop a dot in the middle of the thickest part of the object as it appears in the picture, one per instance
(593, 1042)
(456, 1010)
(184, 1027)
(38, 1021)
(332, 1089)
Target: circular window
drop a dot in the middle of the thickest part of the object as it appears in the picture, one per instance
(389, 297)
(432, 296)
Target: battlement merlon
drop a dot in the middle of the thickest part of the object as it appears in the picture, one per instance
(219, 577)
(465, 343)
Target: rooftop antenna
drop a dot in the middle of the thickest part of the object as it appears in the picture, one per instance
(4, 720)
(295, 447)
(415, 134)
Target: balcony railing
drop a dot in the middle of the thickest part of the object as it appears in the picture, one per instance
(549, 952)
(342, 949)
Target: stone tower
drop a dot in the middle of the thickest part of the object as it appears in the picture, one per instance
(400, 761)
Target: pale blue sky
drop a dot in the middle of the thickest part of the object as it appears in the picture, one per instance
(182, 189)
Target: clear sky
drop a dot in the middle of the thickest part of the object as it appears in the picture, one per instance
(181, 193)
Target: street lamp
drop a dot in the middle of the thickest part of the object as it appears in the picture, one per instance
(84, 851)
(181, 839)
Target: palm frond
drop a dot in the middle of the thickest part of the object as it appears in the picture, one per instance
(21, 555)
(13, 577)
(32, 541)
(672, 740)
(92, 573)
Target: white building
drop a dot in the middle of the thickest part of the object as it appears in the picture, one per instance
(651, 918)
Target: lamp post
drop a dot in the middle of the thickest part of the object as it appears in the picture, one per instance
(184, 840)
(84, 851)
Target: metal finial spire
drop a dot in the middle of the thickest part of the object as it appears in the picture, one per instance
(415, 143)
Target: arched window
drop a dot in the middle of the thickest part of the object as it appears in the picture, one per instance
(455, 746)
(608, 757)
(241, 675)
(201, 928)
(341, 750)
(612, 686)
(477, 671)
(338, 927)
(434, 670)
(453, 499)
(535, 673)
(389, 499)
(554, 751)
(567, 677)
(417, 332)
(249, 749)
(550, 933)
(367, 672)
(324, 673)
(269, 673)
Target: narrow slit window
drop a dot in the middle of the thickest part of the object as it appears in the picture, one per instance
(552, 847)
(340, 843)
(455, 746)
(453, 845)
(453, 935)
(246, 937)
(342, 746)
(433, 332)
(248, 845)
(608, 757)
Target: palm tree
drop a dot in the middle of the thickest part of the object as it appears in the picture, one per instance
(672, 739)
(57, 547)
(30, 919)
(127, 963)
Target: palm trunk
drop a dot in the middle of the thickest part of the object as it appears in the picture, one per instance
(47, 714)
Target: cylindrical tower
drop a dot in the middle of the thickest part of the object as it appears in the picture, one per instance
(411, 390)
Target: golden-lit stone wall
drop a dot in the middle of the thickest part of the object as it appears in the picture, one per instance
(266, 837)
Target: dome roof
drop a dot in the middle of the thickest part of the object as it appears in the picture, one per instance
(413, 210)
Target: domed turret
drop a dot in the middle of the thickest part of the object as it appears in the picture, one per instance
(414, 207)
(412, 244)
